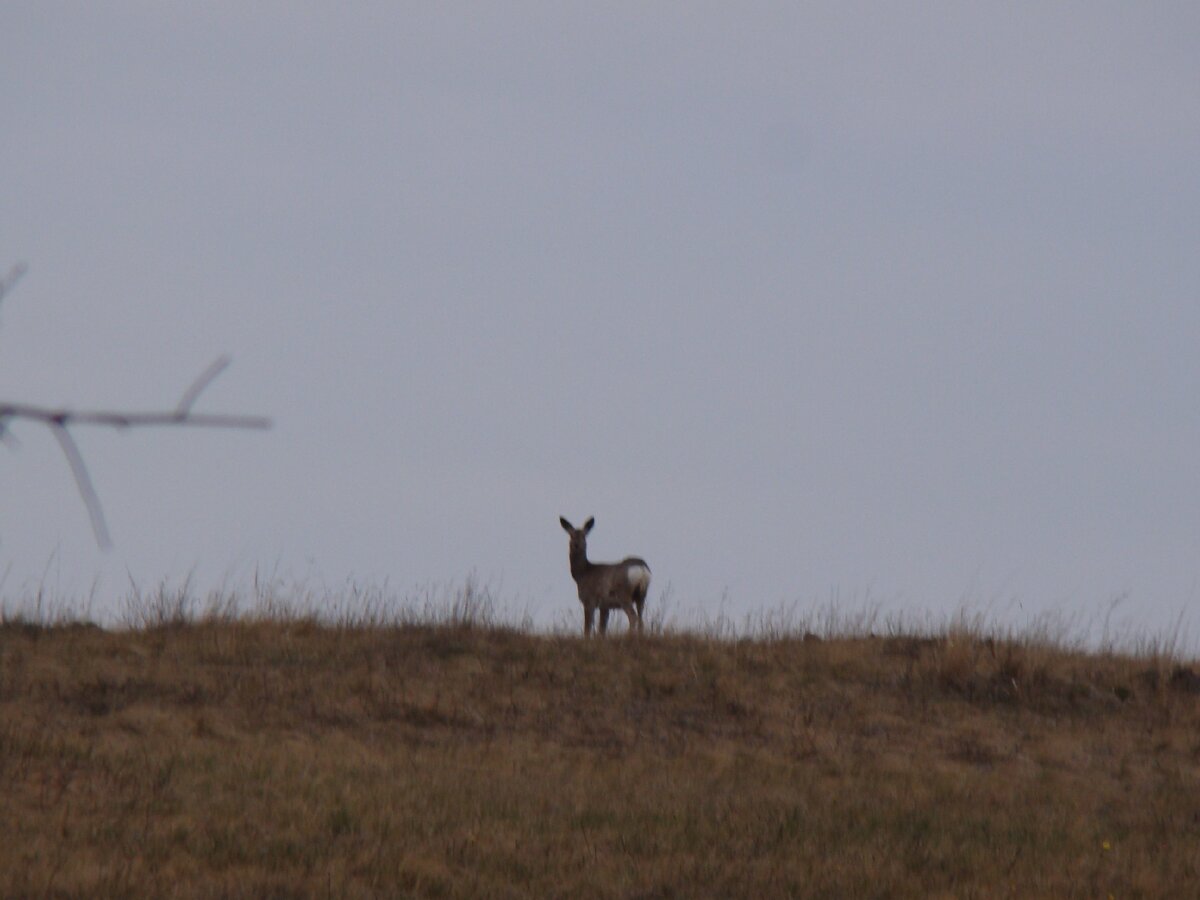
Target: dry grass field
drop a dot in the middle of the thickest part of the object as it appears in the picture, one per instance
(235, 756)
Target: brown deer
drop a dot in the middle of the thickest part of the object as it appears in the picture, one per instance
(606, 586)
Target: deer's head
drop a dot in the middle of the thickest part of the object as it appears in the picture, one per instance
(578, 535)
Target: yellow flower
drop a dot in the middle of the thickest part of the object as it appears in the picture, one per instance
(1106, 845)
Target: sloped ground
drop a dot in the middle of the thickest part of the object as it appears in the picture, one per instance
(287, 759)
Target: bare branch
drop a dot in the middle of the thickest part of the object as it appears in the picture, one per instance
(113, 419)
(58, 420)
(202, 381)
(83, 481)
(13, 276)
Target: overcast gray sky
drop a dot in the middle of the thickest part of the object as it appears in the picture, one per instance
(895, 301)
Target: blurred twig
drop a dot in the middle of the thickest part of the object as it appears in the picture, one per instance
(83, 481)
(13, 276)
(60, 420)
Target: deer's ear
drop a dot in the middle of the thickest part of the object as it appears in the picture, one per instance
(565, 524)
(587, 526)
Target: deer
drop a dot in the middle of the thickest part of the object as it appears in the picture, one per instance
(606, 586)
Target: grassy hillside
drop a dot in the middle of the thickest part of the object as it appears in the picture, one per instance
(283, 758)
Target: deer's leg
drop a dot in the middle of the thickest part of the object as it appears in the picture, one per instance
(635, 618)
(604, 611)
(589, 614)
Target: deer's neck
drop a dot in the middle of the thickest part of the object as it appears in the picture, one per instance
(579, 564)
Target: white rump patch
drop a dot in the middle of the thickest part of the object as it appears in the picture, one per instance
(639, 576)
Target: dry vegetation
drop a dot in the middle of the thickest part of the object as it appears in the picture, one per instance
(247, 757)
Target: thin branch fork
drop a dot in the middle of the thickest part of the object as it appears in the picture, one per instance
(59, 420)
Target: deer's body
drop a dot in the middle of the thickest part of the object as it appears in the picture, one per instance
(606, 586)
